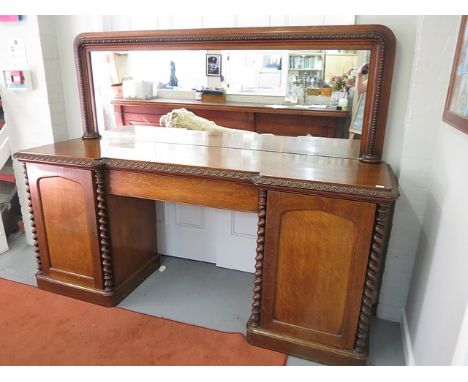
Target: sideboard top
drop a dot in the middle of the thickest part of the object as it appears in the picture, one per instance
(264, 159)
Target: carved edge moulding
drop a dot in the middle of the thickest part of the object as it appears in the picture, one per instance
(33, 221)
(254, 319)
(259, 180)
(105, 246)
(380, 236)
(377, 38)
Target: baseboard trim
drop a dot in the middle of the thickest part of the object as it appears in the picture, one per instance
(406, 339)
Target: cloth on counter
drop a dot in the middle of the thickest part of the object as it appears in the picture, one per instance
(184, 119)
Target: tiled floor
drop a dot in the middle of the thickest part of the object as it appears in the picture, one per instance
(201, 294)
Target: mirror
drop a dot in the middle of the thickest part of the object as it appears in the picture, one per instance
(328, 82)
(280, 92)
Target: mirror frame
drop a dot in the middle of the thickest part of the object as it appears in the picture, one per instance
(379, 39)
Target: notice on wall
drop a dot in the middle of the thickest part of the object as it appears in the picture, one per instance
(17, 53)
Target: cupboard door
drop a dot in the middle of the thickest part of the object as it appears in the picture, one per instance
(316, 252)
(64, 211)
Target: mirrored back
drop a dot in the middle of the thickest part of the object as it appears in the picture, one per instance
(331, 82)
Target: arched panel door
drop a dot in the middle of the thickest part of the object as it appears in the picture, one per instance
(316, 252)
(64, 212)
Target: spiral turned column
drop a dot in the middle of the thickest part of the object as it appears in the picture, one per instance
(103, 229)
(370, 293)
(258, 277)
(33, 222)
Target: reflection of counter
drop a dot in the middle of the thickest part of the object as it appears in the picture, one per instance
(290, 121)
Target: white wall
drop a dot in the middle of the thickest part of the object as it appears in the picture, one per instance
(67, 28)
(438, 295)
(406, 227)
(53, 76)
(431, 215)
(27, 114)
(422, 68)
(439, 290)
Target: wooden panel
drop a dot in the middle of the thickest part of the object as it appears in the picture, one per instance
(149, 113)
(141, 107)
(168, 104)
(261, 119)
(241, 120)
(203, 192)
(141, 119)
(64, 210)
(296, 125)
(133, 235)
(63, 201)
(316, 254)
(320, 266)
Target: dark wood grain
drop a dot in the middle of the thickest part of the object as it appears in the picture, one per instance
(300, 125)
(133, 232)
(203, 192)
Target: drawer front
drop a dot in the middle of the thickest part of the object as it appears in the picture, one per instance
(316, 252)
(232, 119)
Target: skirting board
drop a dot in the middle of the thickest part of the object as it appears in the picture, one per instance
(406, 339)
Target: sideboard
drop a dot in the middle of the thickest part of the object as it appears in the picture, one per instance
(323, 225)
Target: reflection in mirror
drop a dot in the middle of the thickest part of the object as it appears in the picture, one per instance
(281, 92)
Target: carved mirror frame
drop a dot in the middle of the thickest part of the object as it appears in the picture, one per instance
(377, 38)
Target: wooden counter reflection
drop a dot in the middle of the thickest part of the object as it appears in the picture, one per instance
(286, 120)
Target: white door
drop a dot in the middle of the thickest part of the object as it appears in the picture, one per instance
(225, 238)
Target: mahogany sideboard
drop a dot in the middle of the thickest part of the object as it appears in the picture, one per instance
(323, 225)
(263, 119)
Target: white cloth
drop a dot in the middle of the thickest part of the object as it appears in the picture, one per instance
(182, 118)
